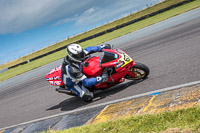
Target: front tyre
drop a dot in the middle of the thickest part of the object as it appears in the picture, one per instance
(140, 70)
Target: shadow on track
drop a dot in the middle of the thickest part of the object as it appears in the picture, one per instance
(75, 102)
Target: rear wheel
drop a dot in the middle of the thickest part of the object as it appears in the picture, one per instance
(140, 70)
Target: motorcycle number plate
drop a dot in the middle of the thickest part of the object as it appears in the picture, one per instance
(125, 58)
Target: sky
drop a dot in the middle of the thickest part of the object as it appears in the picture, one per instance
(29, 25)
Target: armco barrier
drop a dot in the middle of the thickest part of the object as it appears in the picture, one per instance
(22, 63)
(107, 31)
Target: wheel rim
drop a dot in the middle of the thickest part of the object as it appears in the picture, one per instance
(139, 73)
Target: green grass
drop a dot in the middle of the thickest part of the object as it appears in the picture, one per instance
(106, 37)
(187, 120)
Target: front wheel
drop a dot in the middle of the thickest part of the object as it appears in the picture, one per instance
(140, 70)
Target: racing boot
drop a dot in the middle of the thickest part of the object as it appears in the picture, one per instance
(87, 96)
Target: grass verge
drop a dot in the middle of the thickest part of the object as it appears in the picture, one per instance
(136, 26)
(184, 120)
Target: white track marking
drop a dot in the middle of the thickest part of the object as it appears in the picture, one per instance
(106, 103)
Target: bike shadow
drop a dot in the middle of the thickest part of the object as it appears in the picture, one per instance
(76, 102)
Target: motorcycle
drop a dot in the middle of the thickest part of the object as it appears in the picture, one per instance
(118, 64)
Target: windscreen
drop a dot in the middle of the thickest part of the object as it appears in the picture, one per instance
(109, 57)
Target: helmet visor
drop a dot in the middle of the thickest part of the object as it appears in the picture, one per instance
(80, 56)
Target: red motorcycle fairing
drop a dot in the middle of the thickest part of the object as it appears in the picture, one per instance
(91, 67)
(114, 59)
(116, 77)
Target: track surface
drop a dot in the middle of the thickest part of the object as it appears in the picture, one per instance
(172, 56)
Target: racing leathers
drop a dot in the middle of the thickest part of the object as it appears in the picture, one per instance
(73, 78)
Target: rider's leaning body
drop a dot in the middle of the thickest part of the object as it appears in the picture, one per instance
(73, 78)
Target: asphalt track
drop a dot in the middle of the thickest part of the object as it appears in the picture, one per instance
(172, 55)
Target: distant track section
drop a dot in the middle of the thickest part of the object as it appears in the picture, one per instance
(107, 31)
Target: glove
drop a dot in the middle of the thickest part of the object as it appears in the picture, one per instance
(99, 79)
(106, 46)
(102, 78)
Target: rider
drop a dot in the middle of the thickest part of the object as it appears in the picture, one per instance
(73, 78)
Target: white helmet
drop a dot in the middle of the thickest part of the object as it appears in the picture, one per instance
(75, 53)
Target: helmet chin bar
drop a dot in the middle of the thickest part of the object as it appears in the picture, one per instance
(74, 60)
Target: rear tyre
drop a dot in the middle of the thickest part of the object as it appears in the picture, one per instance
(140, 70)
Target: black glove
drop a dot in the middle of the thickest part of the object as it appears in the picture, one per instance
(105, 74)
(99, 79)
(106, 46)
(102, 78)
(105, 77)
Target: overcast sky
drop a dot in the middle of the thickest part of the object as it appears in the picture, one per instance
(29, 25)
